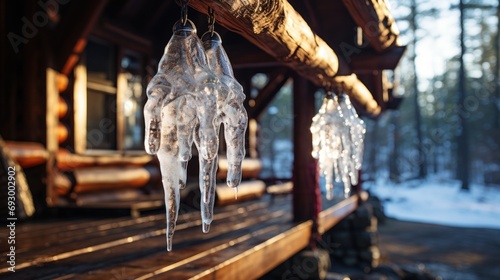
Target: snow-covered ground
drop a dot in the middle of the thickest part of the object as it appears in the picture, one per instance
(439, 201)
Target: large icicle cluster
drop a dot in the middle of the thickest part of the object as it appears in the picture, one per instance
(338, 142)
(188, 99)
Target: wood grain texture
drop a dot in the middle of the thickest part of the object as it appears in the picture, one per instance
(27, 154)
(275, 27)
(68, 160)
(376, 20)
(278, 29)
(245, 241)
(92, 179)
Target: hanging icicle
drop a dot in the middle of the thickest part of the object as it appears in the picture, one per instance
(230, 109)
(187, 103)
(338, 142)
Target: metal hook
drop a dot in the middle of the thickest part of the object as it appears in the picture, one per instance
(184, 10)
(184, 14)
(211, 21)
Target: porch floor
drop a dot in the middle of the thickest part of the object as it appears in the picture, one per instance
(245, 241)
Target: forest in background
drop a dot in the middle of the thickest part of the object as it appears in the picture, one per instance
(449, 120)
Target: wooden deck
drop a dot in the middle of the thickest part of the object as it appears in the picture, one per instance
(245, 241)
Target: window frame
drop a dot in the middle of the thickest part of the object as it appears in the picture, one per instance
(124, 43)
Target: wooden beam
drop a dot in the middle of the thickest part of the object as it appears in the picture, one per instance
(267, 94)
(72, 31)
(375, 81)
(376, 20)
(367, 61)
(359, 94)
(155, 17)
(279, 30)
(113, 32)
(249, 56)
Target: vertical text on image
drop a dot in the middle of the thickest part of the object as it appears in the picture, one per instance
(11, 218)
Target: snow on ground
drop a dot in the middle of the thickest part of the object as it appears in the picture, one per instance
(440, 201)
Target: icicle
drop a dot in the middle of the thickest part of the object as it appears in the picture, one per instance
(338, 143)
(189, 98)
(356, 133)
(230, 110)
(326, 130)
(181, 108)
(170, 164)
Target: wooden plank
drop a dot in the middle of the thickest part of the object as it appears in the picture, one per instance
(55, 260)
(248, 260)
(149, 243)
(367, 61)
(245, 242)
(165, 263)
(252, 259)
(376, 20)
(74, 233)
(333, 215)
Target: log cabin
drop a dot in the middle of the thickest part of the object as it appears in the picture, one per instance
(74, 75)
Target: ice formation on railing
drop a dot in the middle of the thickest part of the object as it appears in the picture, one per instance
(337, 134)
(187, 103)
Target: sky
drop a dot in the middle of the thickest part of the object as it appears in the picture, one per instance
(438, 200)
(438, 35)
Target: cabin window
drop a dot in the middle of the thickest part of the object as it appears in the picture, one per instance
(101, 96)
(133, 98)
(114, 95)
(275, 144)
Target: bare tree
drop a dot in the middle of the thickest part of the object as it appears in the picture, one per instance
(463, 135)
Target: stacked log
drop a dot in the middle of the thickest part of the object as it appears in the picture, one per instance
(250, 168)
(354, 241)
(27, 154)
(97, 178)
(246, 190)
(62, 109)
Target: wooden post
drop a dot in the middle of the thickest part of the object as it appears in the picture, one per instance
(306, 196)
(52, 143)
